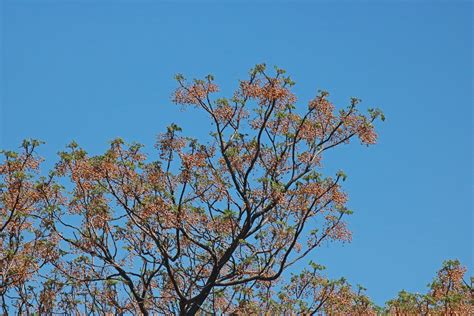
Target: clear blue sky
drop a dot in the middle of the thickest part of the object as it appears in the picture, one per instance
(94, 70)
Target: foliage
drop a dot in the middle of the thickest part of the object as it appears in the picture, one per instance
(196, 227)
(449, 294)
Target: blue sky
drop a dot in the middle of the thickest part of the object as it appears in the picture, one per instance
(94, 70)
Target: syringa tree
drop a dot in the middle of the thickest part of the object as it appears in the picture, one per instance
(197, 227)
(448, 294)
(27, 243)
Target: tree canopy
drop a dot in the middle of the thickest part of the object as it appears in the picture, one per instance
(196, 227)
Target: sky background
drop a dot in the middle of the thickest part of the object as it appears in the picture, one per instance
(93, 70)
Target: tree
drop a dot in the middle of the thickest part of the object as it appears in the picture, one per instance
(200, 227)
(449, 294)
(26, 242)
